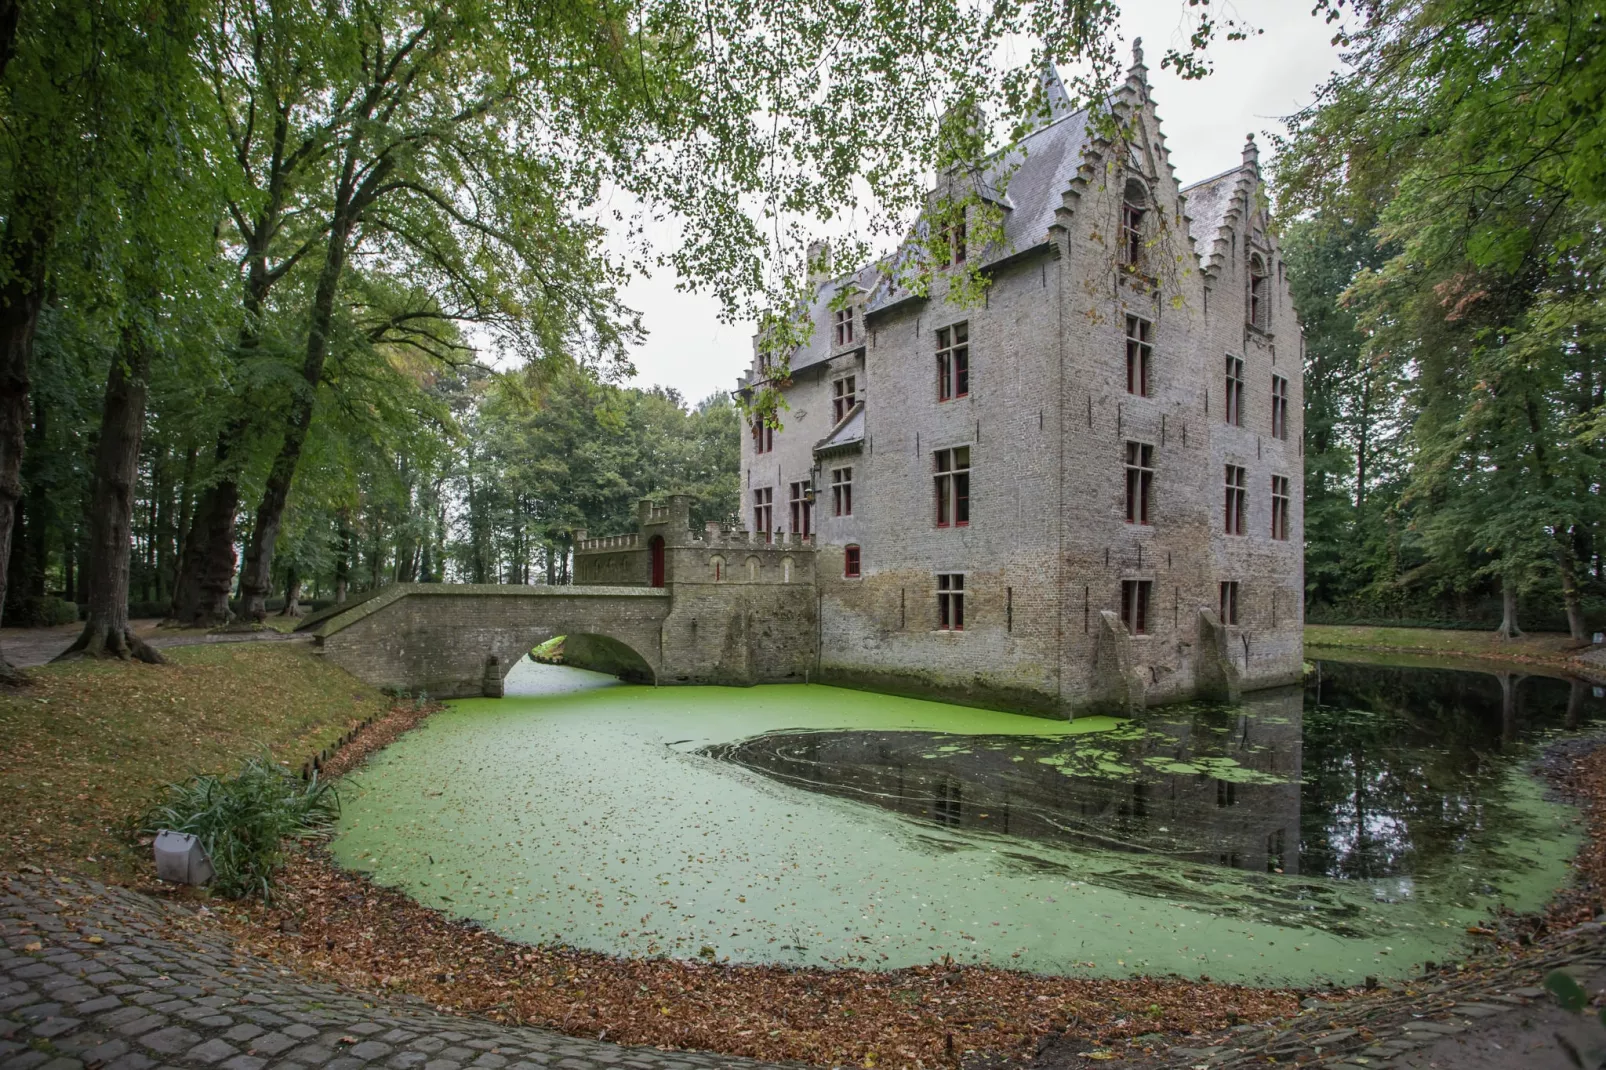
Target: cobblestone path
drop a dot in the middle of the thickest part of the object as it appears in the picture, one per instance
(101, 978)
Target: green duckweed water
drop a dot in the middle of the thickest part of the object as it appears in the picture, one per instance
(1295, 838)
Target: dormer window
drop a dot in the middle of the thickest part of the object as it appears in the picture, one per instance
(844, 326)
(1259, 303)
(954, 239)
(1134, 207)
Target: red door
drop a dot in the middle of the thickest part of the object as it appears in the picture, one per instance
(656, 549)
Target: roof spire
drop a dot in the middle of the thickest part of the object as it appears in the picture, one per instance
(1054, 93)
(1251, 154)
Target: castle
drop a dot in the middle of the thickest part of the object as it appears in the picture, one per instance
(1082, 491)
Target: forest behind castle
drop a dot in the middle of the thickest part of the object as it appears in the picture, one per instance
(297, 299)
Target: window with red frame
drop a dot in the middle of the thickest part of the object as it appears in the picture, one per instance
(1279, 507)
(1139, 481)
(1139, 350)
(802, 509)
(1235, 509)
(844, 326)
(844, 393)
(764, 511)
(842, 492)
(763, 438)
(1135, 605)
(850, 561)
(953, 487)
(953, 362)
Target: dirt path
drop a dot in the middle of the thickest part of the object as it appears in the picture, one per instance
(27, 647)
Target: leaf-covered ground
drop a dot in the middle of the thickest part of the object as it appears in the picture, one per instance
(86, 745)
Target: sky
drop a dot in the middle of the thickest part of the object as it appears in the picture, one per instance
(1255, 83)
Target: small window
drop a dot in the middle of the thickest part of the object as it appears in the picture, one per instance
(1279, 407)
(1135, 605)
(763, 438)
(842, 492)
(844, 326)
(752, 570)
(1279, 507)
(764, 511)
(953, 362)
(844, 393)
(786, 570)
(1229, 602)
(850, 561)
(954, 240)
(1139, 481)
(1259, 304)
(718, 564)
(953, 487)
(1139, 349)
(1235, 391)
(1134, 207)
(802, 508)
(1236, 507)
(951, 601)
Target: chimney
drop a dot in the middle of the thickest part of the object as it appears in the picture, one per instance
(819, 265)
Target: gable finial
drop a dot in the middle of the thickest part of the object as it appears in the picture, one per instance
(1251, 153)
(1137, 52)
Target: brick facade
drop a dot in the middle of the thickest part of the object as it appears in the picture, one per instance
(1047, 420)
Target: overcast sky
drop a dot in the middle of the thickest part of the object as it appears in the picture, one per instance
(1255, 83)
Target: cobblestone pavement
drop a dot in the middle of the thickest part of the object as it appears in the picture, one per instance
(101, 978)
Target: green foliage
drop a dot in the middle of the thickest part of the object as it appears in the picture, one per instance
(1454, 279)
(242, 821)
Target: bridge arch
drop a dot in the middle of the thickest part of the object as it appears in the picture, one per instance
(599, 652)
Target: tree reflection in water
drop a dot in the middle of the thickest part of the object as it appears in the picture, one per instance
(1371, 772)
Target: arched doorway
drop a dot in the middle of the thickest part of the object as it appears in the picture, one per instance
(655, 549)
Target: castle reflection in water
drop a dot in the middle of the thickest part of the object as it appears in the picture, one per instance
(1367, 772)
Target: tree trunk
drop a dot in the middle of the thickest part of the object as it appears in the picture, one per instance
(292, 594)
(343, 561)
(1508, 609)
(23, 248)
(206, 569)
(106, 632)
(257, 576)
(1572, 598)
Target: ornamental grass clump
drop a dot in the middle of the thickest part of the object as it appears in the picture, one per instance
(242, 821)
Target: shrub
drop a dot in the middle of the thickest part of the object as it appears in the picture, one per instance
(243, 820)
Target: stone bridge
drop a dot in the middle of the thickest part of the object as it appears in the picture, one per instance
(658, 606)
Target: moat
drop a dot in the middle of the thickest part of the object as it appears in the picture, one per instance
(1356, 827)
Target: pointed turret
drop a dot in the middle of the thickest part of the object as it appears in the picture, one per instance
(1055, 95)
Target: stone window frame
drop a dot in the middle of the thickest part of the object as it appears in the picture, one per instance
(842, 491)
(955, 242)
(763, 437)
(1235, 503)
(764, 511)
(844, 395)
(1135, 202)
(1139, 356)
(1234, 407)
(1230, 598)
(843, 325)
(951, 486)
(754, 566)
(800, 507)
(1137, 601)
(1280, 497)
(1279, 407)
(1139, 483)
(953, 361)
(1258, 309)
(950, 593)
(852, 561)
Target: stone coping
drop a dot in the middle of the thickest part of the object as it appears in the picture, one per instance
(397, 591)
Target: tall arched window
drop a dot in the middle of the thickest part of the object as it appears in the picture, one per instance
(1259, 303)
(1134, 207)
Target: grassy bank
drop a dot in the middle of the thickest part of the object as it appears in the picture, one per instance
(1551, 649)
(87, 744)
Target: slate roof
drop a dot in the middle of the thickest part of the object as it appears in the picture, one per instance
(849, 434)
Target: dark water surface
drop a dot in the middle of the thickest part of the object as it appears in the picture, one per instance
(1357, 827)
